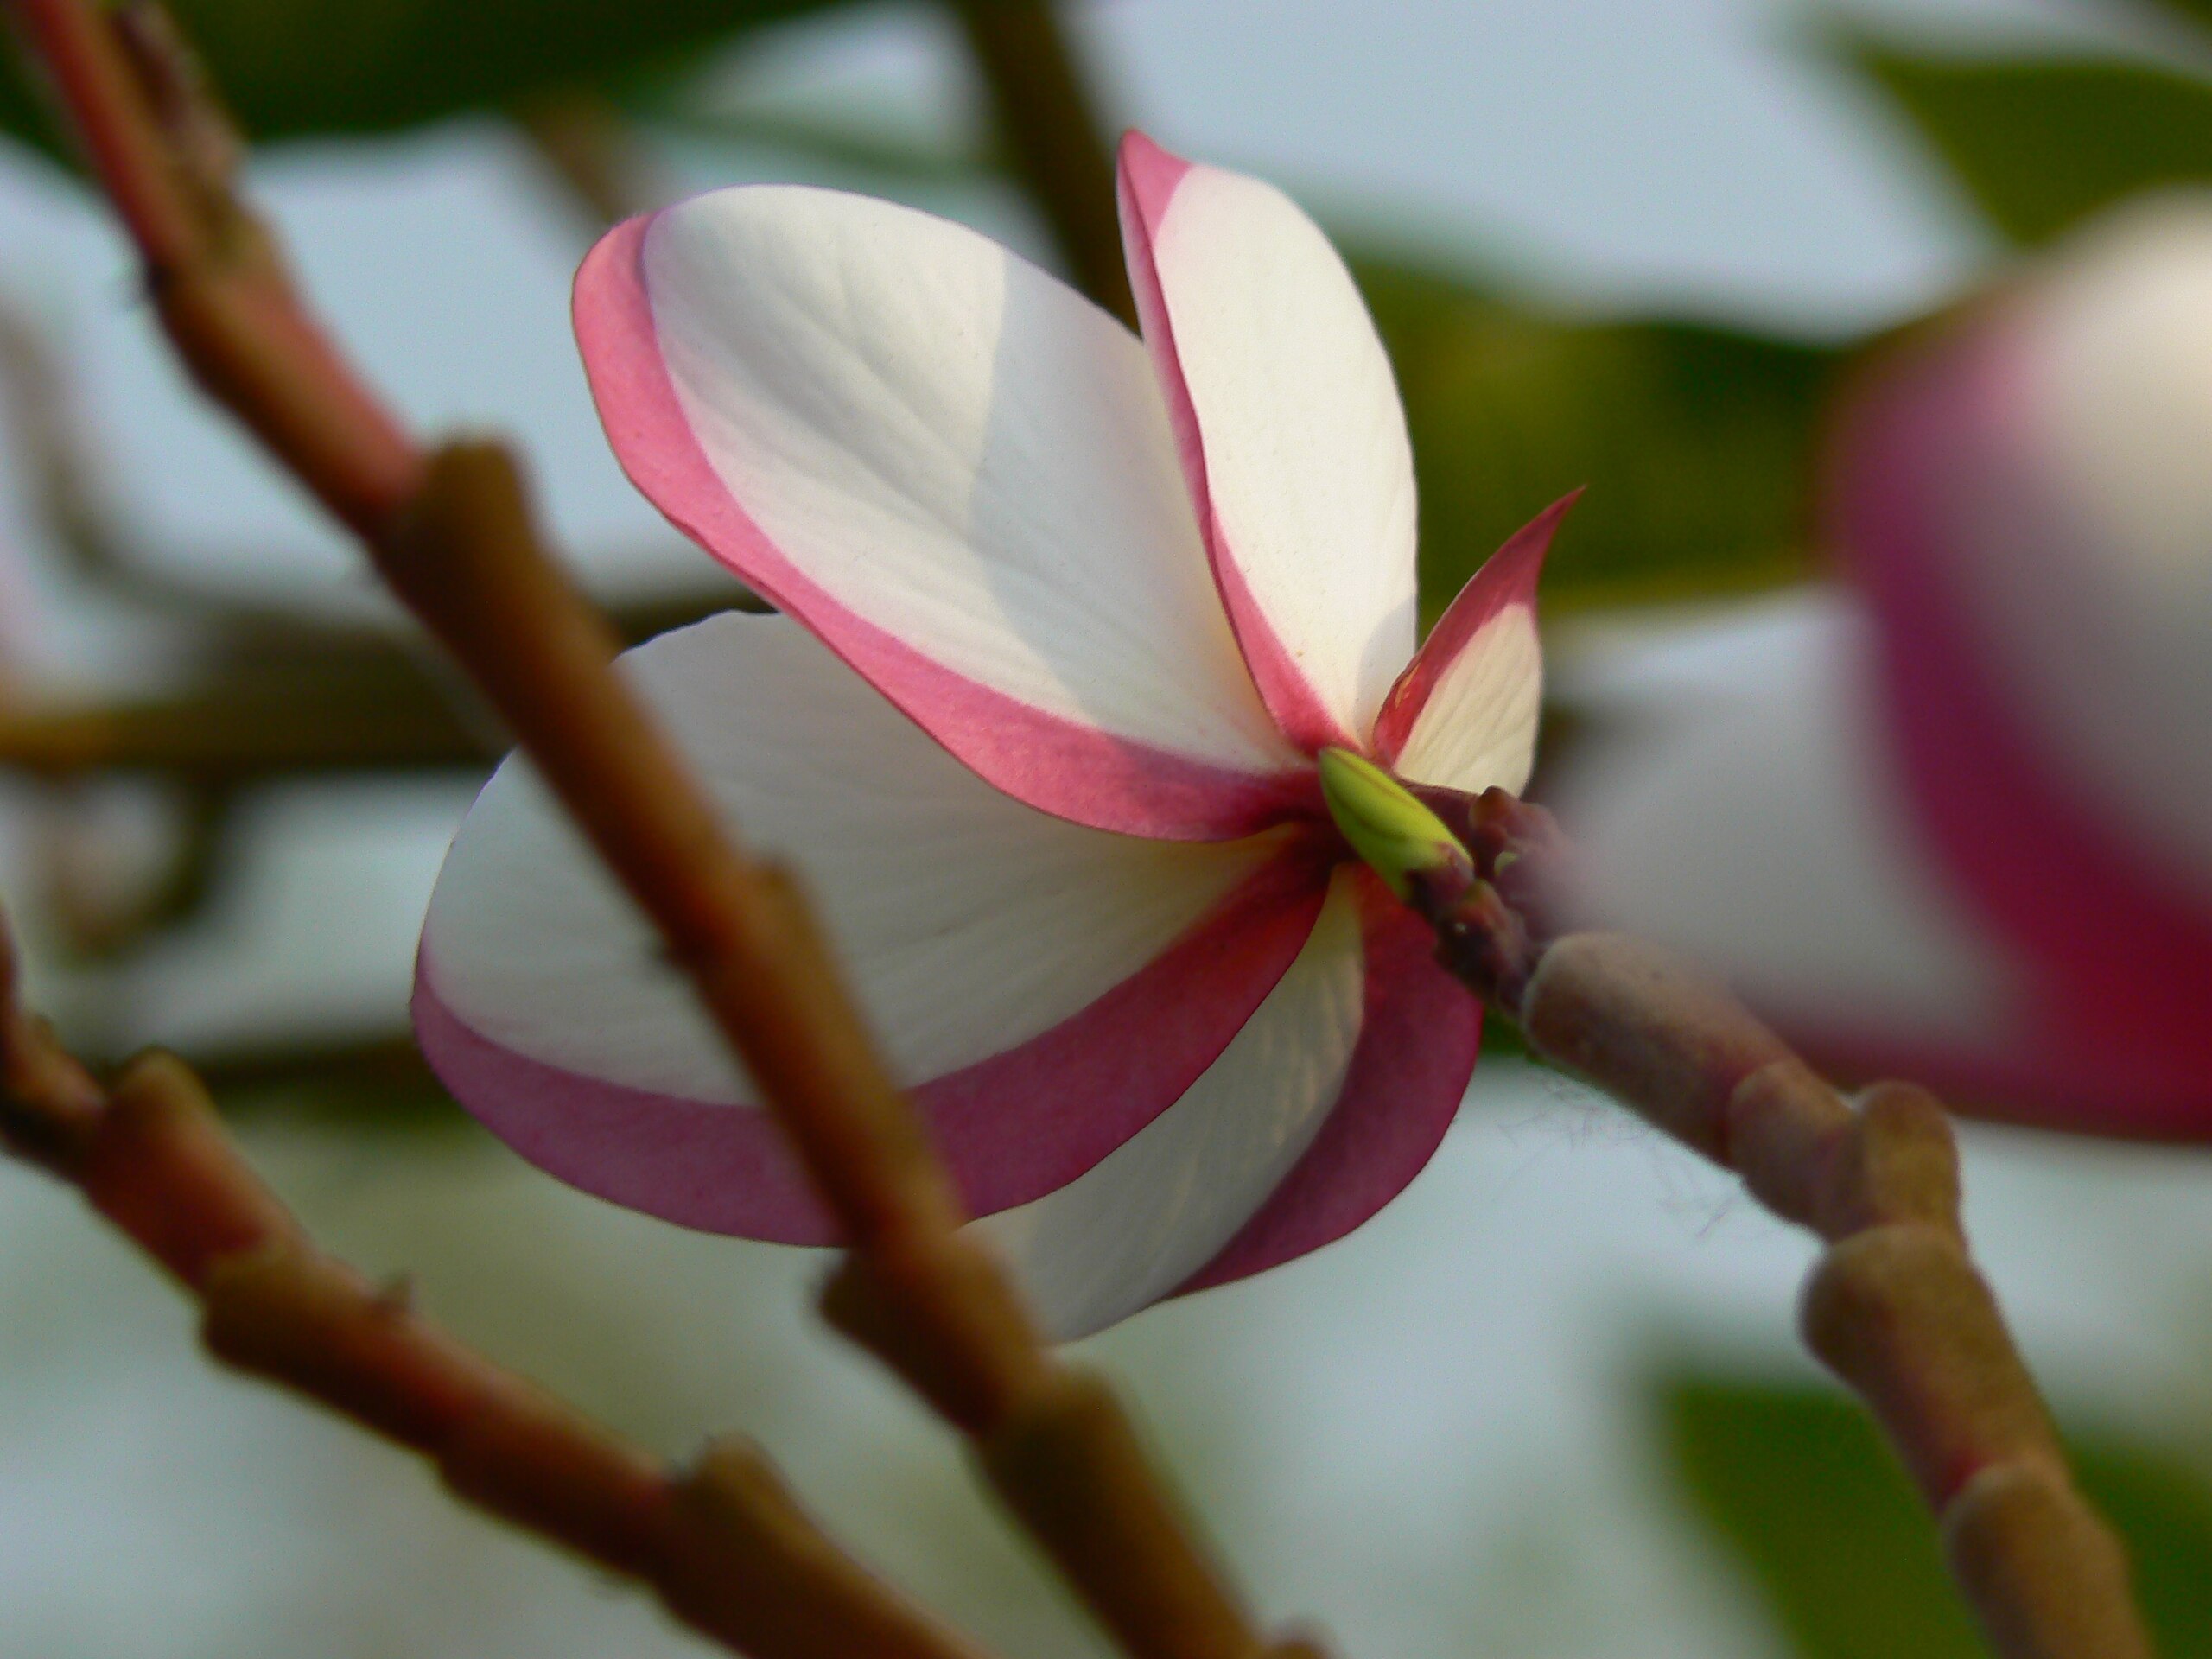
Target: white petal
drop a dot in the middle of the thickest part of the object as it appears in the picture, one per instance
(1292, 435)
(1463, 714)
(974, 927)
(954, 469)
(1150, 1214)
(1479, 726)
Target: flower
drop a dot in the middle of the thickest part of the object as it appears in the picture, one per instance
(1962, 827)
(1065, 619)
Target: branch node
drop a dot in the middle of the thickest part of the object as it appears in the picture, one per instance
(1069, 1464)
(1899, 1313)
(1784, 1128)
(285, 1311)
(1902, 1165)
(771, 1581)
(160, 1166)
(49, 1105)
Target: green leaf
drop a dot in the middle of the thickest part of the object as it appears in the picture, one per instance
(2040, 143)
(2197, 11)
(2164, 1510)
(1695, 443)
(301, 68)
(1798, 1486)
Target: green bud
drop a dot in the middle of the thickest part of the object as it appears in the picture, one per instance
(1388, 825)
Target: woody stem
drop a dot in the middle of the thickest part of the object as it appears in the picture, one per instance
(1894, 1305)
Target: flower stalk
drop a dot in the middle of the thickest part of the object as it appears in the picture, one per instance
(1894, 1305)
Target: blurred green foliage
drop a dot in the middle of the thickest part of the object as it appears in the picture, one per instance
(1798, 1485)
(295, 68)
(2197, 11)
(1696, 442)
(2039, 143)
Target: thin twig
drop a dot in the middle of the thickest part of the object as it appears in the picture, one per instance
(40, 406)
(279, 694)
(1895, 1305)
(723, 1542)
(1048, 122)
(97, 919)
(213, 273)
(451, 532)
(592, 153)
(379, 713)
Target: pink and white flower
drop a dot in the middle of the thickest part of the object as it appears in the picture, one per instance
(1066, 618)
(1961, 826)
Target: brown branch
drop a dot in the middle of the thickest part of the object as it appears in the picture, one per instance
(213, 274)
(922, 1295)
(722, 1543)
(1048, 121)
(592, 154)
(40, 404)
(237, 727)
(273, 691)
(451, 533)
(1895, 1305)
(98, 919)
(283, 695)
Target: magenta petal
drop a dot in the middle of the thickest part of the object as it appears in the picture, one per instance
(1417, 1049)
(2122, 954)
(1012, 1127)
(2048, 1071)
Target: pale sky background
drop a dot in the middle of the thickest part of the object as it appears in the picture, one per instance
(1691, 155)
(1429, 1437)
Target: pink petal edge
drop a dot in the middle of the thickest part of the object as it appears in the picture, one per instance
(1418, 1041)
(2033, 1077)
(1013, 1127)
(1506, 578)
(1146, 178)
(1060, 766)
(2121, 961)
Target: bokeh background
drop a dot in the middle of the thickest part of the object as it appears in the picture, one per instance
(1548, 1403)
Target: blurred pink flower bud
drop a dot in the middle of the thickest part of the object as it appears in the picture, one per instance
(1964, 827)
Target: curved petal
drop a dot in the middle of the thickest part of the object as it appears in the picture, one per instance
(955, 470)
(1419, 1035)
(1292, 438)
(1145, 1217)
(1925, 489)
(2081, 512)
(1463, 714)
(1774, 835)
(1048, 989)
